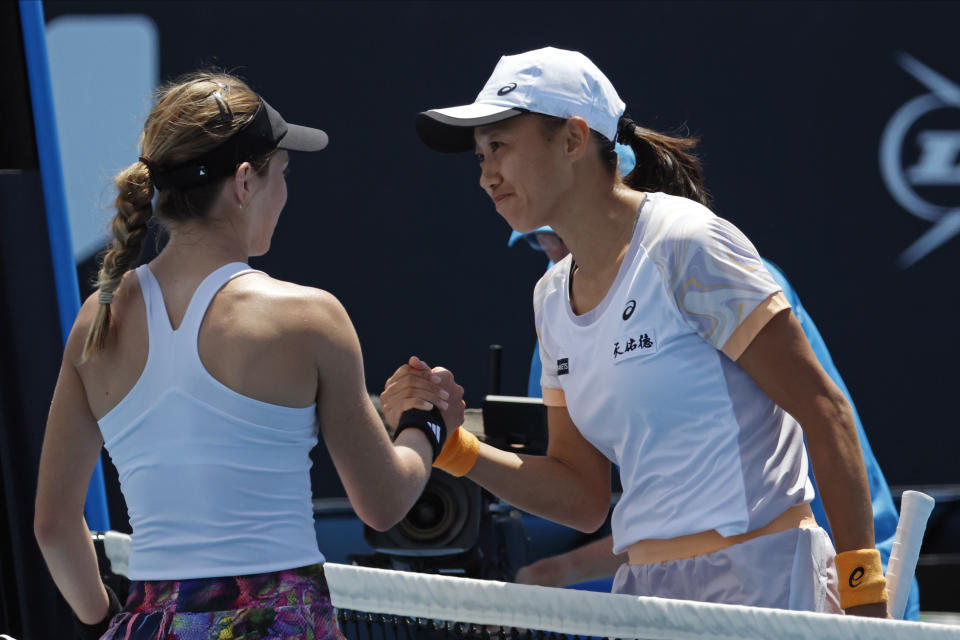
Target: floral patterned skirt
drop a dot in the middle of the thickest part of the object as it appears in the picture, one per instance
(280, 605)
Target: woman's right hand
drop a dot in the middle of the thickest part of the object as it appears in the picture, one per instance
(416, 386)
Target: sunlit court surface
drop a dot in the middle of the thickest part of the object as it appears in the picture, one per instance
(826, 136)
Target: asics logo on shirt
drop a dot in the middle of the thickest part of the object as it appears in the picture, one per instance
(563, 366)
(628, 311)
(436, 430)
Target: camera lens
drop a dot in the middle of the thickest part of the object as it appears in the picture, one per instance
(440, 513)
(431, 516)
(444, 520)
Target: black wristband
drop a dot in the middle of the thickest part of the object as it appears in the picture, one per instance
(429, 422)
(94, 631)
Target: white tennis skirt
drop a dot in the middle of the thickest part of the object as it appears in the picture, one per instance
(791, 569)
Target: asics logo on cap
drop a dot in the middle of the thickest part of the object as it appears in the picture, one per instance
(504, 90)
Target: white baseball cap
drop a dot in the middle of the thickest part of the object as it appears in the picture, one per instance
(551, 81)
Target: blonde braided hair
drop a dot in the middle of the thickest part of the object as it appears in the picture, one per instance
(192, 115)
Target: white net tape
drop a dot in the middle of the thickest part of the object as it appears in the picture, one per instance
(483, 602)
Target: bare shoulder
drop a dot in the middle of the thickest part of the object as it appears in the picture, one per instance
(125, 298)
(282, 307)
(85, 318)
(287, 301)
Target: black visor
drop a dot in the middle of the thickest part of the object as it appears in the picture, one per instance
(266, 131)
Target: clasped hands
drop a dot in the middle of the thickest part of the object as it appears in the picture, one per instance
(417, 386)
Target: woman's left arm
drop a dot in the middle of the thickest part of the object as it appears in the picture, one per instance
(781, 362)
(71, 447)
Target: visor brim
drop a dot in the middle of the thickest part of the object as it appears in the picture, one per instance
(300, 138)
(451, 130)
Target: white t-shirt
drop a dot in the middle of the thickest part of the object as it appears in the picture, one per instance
(650, 379)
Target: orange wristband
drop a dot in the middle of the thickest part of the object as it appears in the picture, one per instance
(861, 578)
(459, 453)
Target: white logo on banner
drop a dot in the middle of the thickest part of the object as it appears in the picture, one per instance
(938, 164)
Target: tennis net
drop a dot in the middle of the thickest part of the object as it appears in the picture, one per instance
(376, 603)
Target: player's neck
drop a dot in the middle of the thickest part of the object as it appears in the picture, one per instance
(599, 234)
(599, 244)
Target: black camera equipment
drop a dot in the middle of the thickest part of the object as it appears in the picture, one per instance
(456, 527)
(444, 521)
(515, 423)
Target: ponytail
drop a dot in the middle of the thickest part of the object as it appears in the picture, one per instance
(664, 163)
(134, 210)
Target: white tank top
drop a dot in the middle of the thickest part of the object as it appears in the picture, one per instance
(216, 483)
